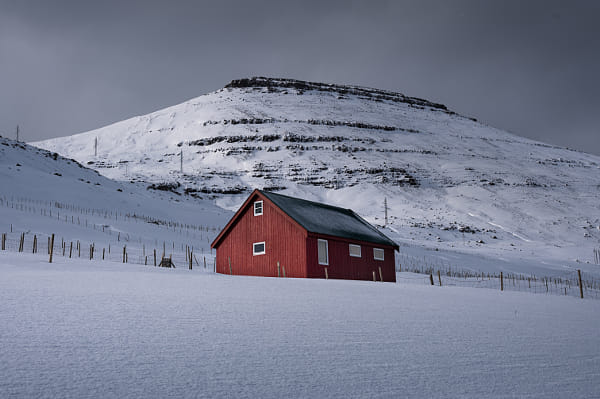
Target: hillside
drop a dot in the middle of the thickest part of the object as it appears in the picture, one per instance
(44, 193)
(451, 182)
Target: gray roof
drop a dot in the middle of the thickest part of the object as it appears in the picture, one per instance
(327, 219)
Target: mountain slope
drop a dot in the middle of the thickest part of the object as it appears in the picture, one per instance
(44, 193)
(450, 181)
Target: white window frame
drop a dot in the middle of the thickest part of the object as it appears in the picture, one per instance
(326, 252)
(350, 246)
(264, 251)
(261, 208)
(375, 254)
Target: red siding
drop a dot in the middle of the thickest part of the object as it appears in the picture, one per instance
(343, 266)
(285, 242)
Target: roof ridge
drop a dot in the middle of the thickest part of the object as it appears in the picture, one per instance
(321, 204)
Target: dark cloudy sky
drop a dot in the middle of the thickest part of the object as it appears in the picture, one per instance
(530, 67)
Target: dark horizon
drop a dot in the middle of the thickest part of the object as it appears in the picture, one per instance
(528, 68)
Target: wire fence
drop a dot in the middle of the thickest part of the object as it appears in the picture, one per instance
(41, 244)
(568, 283)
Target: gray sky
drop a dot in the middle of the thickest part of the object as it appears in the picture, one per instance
(530, 67)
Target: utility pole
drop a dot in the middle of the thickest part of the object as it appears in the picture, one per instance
(96, 146)
(386, 210)
(17, 132)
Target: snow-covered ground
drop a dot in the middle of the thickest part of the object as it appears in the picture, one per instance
(86, 329)
(44, 193)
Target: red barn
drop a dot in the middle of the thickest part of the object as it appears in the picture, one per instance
(275, 235)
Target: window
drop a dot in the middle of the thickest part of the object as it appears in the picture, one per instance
(258, 248)
(258, 208)
(323, 252)
(377, 253)
(355, 250)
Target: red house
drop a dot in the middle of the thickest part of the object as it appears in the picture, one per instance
(275, 235)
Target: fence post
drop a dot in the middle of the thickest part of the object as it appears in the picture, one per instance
(439, 278)
(431, 278)
(580, 285)
(154, 256)
(71, 249)
(380, 275)
(283, 268)
(326, 274)
(278, 271)
(230, 271)
(51, 248)
(124, 248)
(103, 253)
(191, 259)
(34, 242)
(204, 262)
(374, 278)
(501, 282)
(4, 241)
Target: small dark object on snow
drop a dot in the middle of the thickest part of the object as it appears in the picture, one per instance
(167, 262)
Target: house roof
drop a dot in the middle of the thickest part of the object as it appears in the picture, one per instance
(328, 220)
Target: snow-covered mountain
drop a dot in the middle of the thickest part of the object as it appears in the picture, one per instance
(450, 181)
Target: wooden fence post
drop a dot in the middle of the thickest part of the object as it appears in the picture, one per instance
(204, 261)
(51, 248)
(283, 268)
(154, 256)
(71, 249)
(230, 271)
(4, 241)
(191, 259)
(34, 243)
(103, 249)
(439, 278)
(380, 274)
(580, 285)
(124, 249)
(326, 274)
(431, 278)
(374, 278)
(278, 271)
(501, 281)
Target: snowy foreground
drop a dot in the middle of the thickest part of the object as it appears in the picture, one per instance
(99, 329)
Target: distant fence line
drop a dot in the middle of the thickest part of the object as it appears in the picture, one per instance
(41, 244)
(565, 284)
(187, 256)
(45, 208)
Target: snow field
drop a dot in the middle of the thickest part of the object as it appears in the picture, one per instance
(101, 329)
(106, 229)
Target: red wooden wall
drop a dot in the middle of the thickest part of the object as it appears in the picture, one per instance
(343, 266)
(285, 241)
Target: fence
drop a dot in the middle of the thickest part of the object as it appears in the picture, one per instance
(41, 244)
(566, 284)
